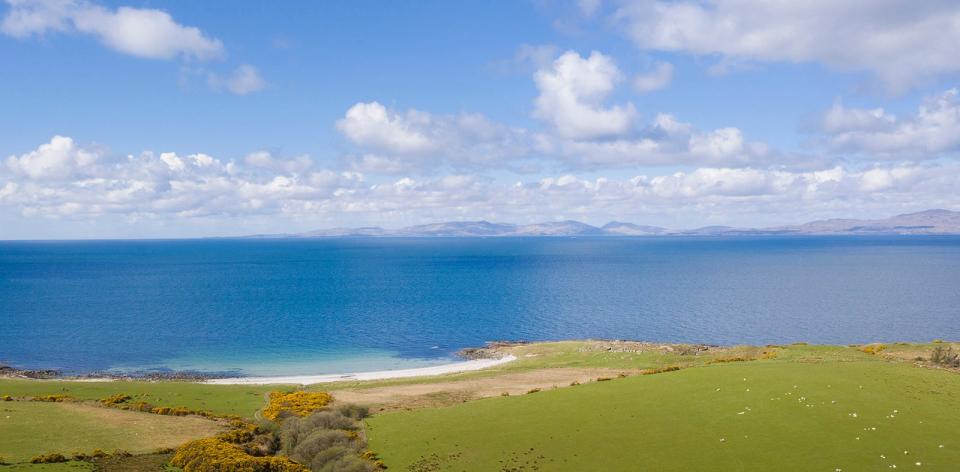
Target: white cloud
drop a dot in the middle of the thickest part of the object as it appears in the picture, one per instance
(932, 132)
(572, 92)
(243, 80)
(902, 43)
(840, 119)
(141, 32)
(372, 125)
(654, 80)
(58, 159)
(179, 188)
(392, 141)
(666, 141)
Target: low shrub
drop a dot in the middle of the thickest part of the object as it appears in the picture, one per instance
(298, 403)
(533, 390)
(7, 398)
(54, 398)
(328, 440)
(98, 453)
(574, 383)
(660, 370)
(114, 400)
(505, 394)
(724, 360)
(945, 356)
(52, 458)
(872, 349)
(241, 432)
(603, 379)
(3, 461)
(214, 455)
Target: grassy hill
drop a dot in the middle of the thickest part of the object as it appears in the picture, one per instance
(569, 406)
(812, 408)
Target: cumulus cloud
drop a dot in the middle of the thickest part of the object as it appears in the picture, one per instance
(665, 141)
(932, 132)
(141, 32)
(59, 159)
(186, 186)
(392, 141)
(902, 43)
(243, 80)
(658, 78)
(572, 92)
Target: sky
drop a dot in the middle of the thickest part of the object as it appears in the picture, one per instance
(165, 119)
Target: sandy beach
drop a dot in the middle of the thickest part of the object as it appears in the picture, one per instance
(451, 368)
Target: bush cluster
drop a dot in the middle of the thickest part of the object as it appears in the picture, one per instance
(660, 370)
(329, 441)
(52, 458)
(215, 455)
(872, 349)
(54, 398)
(114, 400)
(145, 407)
(297, 403)
(945, 356)
(7, 398)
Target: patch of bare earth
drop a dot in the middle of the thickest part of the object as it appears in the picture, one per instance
(146, 431)
(449, 393)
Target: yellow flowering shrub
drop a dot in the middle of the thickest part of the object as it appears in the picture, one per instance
(214, 455)
(53, 398)
(49, 459)
(299, 403)
(873, 349)
(241, 432)
(114, 400)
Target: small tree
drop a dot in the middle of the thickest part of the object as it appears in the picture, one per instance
(945, 356)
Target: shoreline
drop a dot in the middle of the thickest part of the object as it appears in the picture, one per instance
(452, 368)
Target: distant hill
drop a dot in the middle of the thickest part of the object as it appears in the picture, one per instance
(924, 222)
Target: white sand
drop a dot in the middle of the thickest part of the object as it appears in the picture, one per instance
(455, 367)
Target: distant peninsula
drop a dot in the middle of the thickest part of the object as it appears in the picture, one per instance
(929, 222)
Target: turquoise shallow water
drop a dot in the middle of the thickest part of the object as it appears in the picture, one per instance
(322, 306)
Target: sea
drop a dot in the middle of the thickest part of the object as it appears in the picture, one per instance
(315, 306)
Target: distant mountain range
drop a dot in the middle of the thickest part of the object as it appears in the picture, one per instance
(924, 222)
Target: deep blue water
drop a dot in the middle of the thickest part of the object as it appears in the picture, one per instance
(311, 306)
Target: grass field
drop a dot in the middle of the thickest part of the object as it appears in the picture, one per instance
(795, 407)
(32, 428)
(813, 408)
(241, 400)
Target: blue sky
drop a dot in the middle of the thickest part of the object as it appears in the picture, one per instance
(172, 119)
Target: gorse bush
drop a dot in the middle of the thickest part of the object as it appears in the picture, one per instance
(215, 455)
(114, 400)
(298, 403)
(49, 459)
(54, 398)
(872, 349)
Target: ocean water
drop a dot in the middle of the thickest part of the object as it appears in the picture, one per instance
(264, 307)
